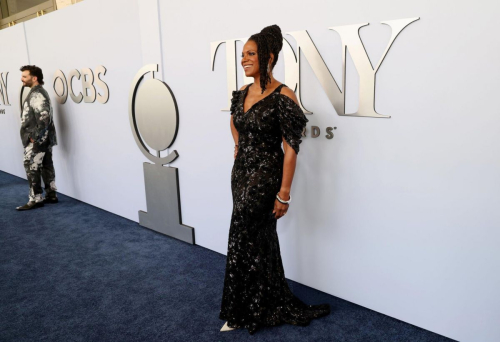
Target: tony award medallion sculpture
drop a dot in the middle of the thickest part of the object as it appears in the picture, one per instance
(154, 119)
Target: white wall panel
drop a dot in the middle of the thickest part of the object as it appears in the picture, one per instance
(397, 215)
(13, 55)
(96, 160)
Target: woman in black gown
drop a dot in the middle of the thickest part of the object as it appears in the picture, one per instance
(264, 114)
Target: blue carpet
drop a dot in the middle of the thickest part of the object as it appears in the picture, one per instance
(73, 272)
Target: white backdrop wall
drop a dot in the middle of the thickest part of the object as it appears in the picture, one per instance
(397, 215)
(96, 160)
(10, 60)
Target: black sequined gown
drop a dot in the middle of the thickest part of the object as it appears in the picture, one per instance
(256, 292)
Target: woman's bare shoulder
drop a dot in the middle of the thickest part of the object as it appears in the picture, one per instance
(289, 93)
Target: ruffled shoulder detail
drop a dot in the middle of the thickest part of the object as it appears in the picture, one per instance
(292, 121)
(235, 100)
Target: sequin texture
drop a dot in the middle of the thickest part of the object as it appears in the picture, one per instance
(255, 292)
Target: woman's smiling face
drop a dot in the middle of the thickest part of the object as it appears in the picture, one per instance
(250, 59)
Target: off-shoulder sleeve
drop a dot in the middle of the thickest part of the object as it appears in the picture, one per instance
(234, 100)
(292, 121)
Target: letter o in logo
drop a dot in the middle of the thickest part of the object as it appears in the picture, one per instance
(61, 98)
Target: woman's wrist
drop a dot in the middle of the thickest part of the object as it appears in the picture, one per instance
(284, 194)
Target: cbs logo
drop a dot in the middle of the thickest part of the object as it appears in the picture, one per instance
(89, 93)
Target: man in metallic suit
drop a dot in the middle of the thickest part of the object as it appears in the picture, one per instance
(38, 135)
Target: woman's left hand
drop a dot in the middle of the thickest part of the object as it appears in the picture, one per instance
(280, 209)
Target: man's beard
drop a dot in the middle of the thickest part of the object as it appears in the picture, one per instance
(28, 84)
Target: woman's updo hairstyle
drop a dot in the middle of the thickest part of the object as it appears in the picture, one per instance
(268, 40)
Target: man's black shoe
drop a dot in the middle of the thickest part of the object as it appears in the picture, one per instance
(50, 197)
(30, 205)
(50, 200)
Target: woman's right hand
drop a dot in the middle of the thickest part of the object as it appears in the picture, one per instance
(235, 151)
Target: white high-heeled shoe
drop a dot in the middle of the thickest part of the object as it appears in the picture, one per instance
(225, 327)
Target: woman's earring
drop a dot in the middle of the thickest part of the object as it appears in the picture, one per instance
(268, 68)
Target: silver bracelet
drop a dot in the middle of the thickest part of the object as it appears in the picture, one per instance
(282, 201)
